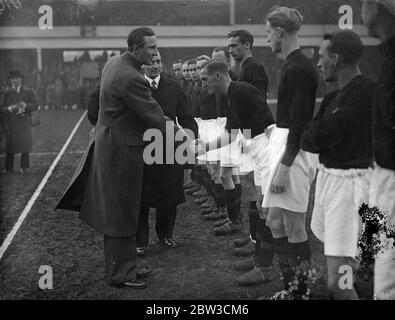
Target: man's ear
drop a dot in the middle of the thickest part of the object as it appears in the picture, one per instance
(280, 31)
(336, 59)
(135, 48)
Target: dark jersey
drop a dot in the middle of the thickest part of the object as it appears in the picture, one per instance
(248, 108)
(339, 131)
(296, 100)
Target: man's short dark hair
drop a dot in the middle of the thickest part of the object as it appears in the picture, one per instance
(191, 61)
(178, 61)
(136, 37)
(224, 49)
(347, 44)
(214, 66)
(244, 36)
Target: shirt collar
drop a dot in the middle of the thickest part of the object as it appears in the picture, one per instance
(18, 89)
(157, 79)
(230, 89)
(294, 54)
(247, 60)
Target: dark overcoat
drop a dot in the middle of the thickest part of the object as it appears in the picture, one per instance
(163, 183)
(18, 133)
(111, 200)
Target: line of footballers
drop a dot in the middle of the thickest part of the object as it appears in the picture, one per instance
(352, 164)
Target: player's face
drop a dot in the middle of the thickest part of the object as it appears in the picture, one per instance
(236, 49)
(177, 68)
(369, 17)
(185, 71)
(210, 82)
(146, 53)
(199, 66)
(155, 69)
(273, 38)
(327, 63)
(193, 72)
(219, 55)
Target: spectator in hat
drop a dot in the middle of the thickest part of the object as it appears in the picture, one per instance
(16, 104)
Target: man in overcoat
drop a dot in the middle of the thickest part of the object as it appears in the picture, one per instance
(163, 183)
(110, 177)
(17, 103)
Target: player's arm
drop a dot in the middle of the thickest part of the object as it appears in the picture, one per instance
(302, 86)
(256, 75)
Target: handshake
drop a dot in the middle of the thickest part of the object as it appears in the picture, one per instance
(18, 108)
(197, 147)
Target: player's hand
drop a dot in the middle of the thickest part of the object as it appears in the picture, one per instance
(280, 179)
(201, 147)
(268, 132)
(245, 145)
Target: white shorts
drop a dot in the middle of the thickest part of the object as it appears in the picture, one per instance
(302, 173)
(382, 196)
(338, 197)
(261, 160)
(231, 156)
(247, 164)
(209, 131)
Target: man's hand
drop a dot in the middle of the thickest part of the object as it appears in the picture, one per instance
(268, 131)
(20, 107)
(280, 179)
(13, 108)
(92, 132)
(245, 144)
(201, 147)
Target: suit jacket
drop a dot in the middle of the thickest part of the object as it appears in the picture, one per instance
(163, 183)
(112, 195)
(17, 126)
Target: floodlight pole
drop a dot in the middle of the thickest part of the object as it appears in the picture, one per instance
(232, 12)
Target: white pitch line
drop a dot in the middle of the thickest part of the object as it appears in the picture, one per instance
(36, 193)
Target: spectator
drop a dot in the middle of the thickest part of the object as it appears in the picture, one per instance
(17, 104)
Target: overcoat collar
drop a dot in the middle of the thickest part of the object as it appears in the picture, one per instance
(126, 56)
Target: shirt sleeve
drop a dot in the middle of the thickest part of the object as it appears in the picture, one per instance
(256, 75)
(302, 86)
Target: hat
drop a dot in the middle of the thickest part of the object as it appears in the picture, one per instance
(15, 74)
(388, 4)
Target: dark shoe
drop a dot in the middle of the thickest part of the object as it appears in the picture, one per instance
(245, 251)
(227, 228)
(256, 276)
(143, 272)
(134, 284)
(170, 243)
(238, 243)
(190, 185)
(200, 200)
(244, 265)
(200, 194)
(208, 210)
(209, 203)
(215, 216)
(192, 190)
(221, 222)
(140, 252)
